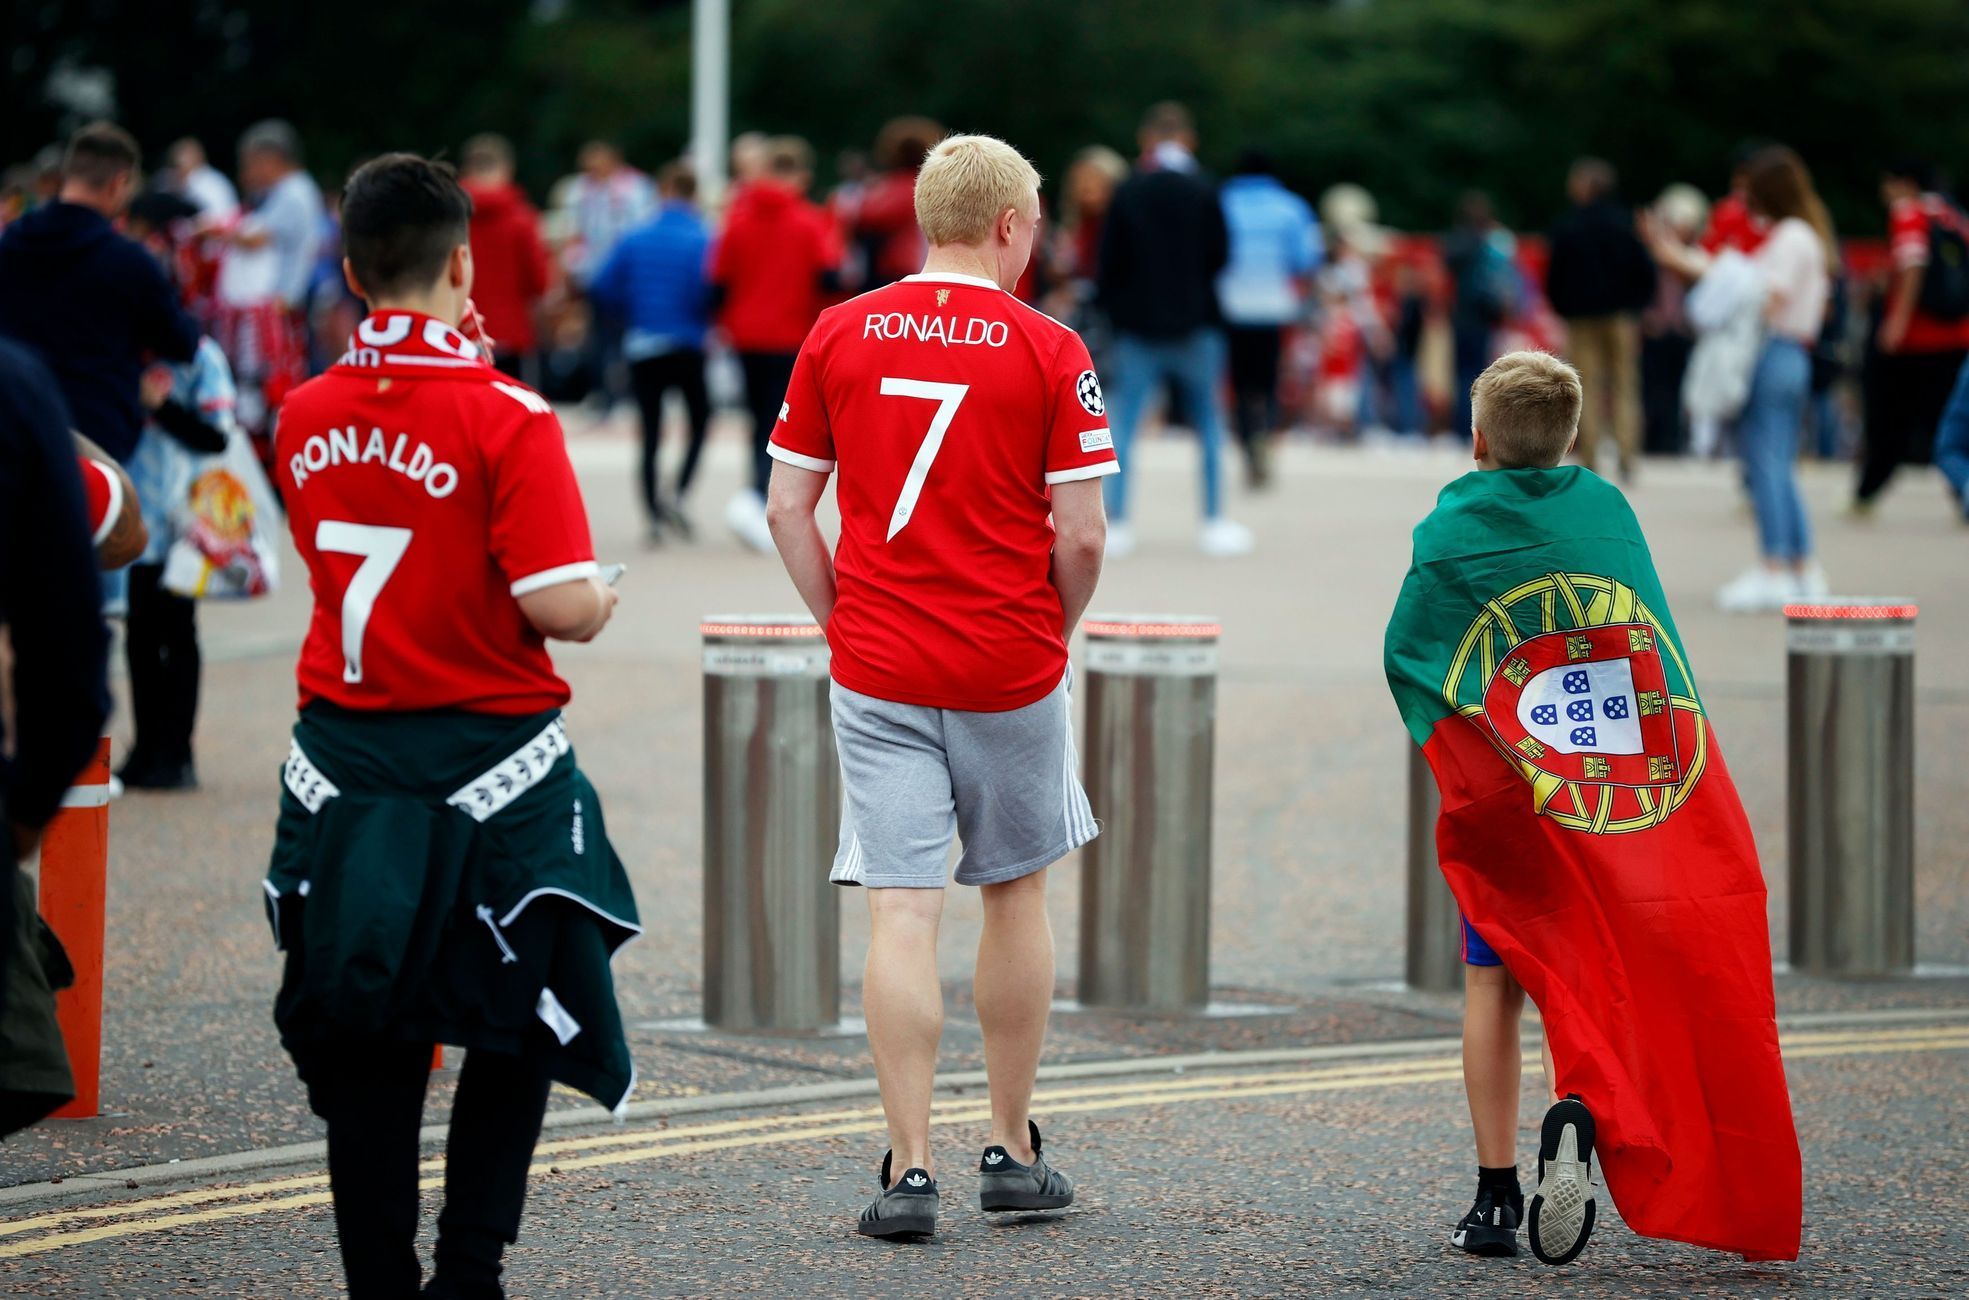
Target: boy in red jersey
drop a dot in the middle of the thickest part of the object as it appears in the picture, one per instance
(440, 870)
(959, 419)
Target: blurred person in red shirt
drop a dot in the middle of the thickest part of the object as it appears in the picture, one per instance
(511, 257)
(771, 273)
(1731, 222)
(886, 216)
(1923, 336)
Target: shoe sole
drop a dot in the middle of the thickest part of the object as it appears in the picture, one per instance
(1491, 1243)
(999, 1202)
(901, 1225)
(1559, 1220)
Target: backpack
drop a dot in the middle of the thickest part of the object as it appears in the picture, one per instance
(1945, 284)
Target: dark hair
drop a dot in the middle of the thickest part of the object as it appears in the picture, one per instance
(677, 180)
(1167, 120)
(487, 153)
(99, 153)
(401, 217)
(788, 156)
(1917, 170)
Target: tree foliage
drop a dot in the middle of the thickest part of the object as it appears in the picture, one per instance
(1416, 99)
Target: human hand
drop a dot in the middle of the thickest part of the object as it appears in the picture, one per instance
(155, 387)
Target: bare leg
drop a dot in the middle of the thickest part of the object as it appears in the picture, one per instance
(1492, 1061)
(1014, 991)
(903, 1001)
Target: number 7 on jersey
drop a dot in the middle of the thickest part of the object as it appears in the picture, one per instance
(381, 550)
(948, 398)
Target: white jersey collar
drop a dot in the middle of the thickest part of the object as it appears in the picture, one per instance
(950, 277)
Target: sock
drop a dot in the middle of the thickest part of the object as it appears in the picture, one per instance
(1503, 1181)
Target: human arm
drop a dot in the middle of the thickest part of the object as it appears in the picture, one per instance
(791, 499)
(1686, 260)
(1907, 243)
(1080, 533)
(1903, 292)
(609, 289)
(570, 611)
(119, 533)
(539, 533)
(50, 597)
(163, 324)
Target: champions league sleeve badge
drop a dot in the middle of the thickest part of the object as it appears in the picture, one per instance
(1577, 684)
(1088, 389)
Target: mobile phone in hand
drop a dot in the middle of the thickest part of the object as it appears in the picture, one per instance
(612, 572)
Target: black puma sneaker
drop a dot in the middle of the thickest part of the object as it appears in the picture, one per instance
(906, 1208)
(1005, 1184)
(1560, 1218)
(1491, 1226)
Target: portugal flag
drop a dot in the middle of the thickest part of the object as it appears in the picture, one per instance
(1592, 836)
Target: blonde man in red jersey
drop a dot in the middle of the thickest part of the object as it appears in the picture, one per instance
(440, 870)
(970, 439)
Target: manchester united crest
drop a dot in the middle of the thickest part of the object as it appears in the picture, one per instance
(1577, 683)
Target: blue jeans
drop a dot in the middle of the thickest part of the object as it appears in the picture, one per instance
(1952, 439)
(1767, 439)
(1195, 365)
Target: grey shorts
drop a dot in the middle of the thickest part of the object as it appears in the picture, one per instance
(1007, 784)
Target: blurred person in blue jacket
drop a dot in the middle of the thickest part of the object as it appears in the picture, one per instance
(654, 280)
(1274, 248)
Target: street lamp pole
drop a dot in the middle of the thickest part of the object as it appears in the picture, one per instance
(711, 23)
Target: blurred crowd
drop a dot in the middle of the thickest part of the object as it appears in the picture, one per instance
(1233, 306)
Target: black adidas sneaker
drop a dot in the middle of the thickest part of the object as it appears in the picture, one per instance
(1560, 1217)
(1005, 1184)
(906, 1208)
(1491, 1226)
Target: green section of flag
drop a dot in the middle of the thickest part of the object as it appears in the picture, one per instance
(1507, 555)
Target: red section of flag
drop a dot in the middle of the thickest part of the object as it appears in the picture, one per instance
(1648, 955)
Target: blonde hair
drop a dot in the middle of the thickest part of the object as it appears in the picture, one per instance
(1527, 406)
(966, 183)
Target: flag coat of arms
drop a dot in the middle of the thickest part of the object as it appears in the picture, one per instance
(1591, 834)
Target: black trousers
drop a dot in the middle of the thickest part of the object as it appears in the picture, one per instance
(652, 377)
(1905, 394)
(766, 377)
(373, 1101)
(161, 645)
(1254, 379)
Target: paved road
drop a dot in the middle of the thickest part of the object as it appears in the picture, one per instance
(1322, 1175)
(1306, 926)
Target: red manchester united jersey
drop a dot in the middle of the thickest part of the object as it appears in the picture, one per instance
(949, 408)
(427, 492)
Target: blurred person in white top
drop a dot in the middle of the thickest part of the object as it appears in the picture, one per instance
(1796, 262)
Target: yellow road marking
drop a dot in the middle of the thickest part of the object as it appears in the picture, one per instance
(785, 1129)
(686, 1132)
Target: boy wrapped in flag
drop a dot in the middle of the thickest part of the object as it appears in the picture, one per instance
(1597, 849)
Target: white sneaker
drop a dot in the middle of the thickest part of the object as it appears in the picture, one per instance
(1812, 584)
(1121, 541)
(746, 514)
(1757, 591)
(1225, 537)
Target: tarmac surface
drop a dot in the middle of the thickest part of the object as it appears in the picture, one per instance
(1323, 1148)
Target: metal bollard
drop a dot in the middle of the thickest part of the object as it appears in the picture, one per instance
(1145, 887)
(1849, 685)
(1434, 938)
(772, 810)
